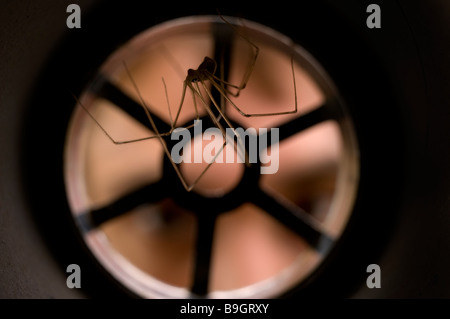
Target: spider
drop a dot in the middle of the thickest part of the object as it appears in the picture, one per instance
(195, 81)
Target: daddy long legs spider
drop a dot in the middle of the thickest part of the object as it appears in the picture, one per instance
(201, 82)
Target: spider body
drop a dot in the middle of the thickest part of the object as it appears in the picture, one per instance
(208, 66)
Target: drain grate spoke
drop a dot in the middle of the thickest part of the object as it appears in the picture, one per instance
(148, 194)
(205, 237)
(293, 217)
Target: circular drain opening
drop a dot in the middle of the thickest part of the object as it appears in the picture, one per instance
(121, 195)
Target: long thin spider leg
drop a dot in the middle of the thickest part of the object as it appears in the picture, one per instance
(234, 86)
(112, 139)
(183, 95)
(196, 91)
(102, 87)
(222, 115)
(186, 84)
(167, 54)
(222, 99)
(219, 109)
(213, 79)
(163, 143)
(146, 108)
(143, 104)
(252, 62)
(168, 104)
(217, 119)
(197, 116)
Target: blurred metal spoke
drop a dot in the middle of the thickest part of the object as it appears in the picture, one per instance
(147, 194)
(205, 238)
(300, 123)
(293, 217)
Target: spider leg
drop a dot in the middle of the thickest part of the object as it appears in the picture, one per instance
(160, 136)
(213, 79)
(250, 66)
(222, 115)
(146, 109)
(168, 103)
(195, 90)
(110, 137)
